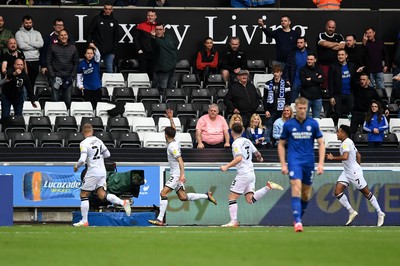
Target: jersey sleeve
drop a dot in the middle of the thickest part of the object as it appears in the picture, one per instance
(285, 132)
(174, 149)
(317, 131)
(236, 150)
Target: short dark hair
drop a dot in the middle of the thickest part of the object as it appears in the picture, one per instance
(170, 132)
(302, 37)
(346, 129)
(26, 17)
(237, 128)
(207, 38)
(57, 20)
(312, 54)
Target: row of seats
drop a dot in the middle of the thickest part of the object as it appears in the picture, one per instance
(327, 125)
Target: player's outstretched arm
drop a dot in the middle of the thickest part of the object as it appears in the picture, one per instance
(232, 163)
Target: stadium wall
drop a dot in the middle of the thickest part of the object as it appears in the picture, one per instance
(192, 25)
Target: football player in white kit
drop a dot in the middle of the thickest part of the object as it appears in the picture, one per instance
(177, 171)
(93, 152)
(245, 180)
(352, 173)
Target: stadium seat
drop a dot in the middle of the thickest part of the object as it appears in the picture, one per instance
(177, 95)
(326, 125)
(256, 66)
(394, 125)
(105, 95)
(43, 94)
(393, 110)
(183, 66)
(201, 95)
(25, 139)
(128, 140)
(157, 109)
(39, 124)
(154, 140)
(390, 140)
(12, 124)
(164, 122)
(50, 139)
(223, 110)
(101, 110)
(112, 80)
(343, 121)
(151, 95)
(4, 142)
(134, 109)
(126, 66)
(118, 124)
(53, 109)
(29, 110)
(185, 110)
(125, 94)
(185, 140)
(189, 80)
(96, 122)
(106, 137)
(190, 125)
(259, 81)
(139, 124)
(76, 94)
(220, 95)
(360, 140)
(80, 109)
(215, 80)
(331, 141)
(73, 139)
(65, 125)
(139, 80)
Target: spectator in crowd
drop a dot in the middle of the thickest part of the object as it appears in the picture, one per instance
(88, 76)
(62, 63)
(30, 41)
(364, 94)
(52, 38)
(342, 79)
(10, 55)
(242, 97)
(257, 134)
(244, 182)
(377, 59)
(165, 49)
(143, 43)
(233, 60)
(328, 4)
(103, 33)
(278, 124)
(295, 61)
(396, 80)
(375, 125)
(212, 130)
(252, 3)
(207, 59)
(158, 3)
(311, 77)
(13, 90)
(235, 119)
(285, 38)
(277, 94)
(355, 53)
(5, 34)
(328, 43)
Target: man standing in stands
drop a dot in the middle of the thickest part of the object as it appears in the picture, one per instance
(5, 34)
(376, 55)
(328, 4)
(328, 43)
(242, 97)
(233, 60)
(13, 90)
(295, 61)
(30, 41)
(62, 63)
(142, 41)
(342, 79)
(103, 32)
(165, 49)
(10, 55)
(355, 53)
(285, 38)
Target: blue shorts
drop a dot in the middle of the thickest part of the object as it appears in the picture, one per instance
(305, 173)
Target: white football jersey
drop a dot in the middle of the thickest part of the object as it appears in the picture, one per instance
(173, 153)
(94, 148)
(244, 147)
(350, 165)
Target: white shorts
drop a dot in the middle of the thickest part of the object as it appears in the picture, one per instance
(174, 183)
(92, 183)
(243, 184)
(356, 178)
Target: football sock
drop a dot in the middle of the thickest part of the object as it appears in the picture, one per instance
(374, 203)
(114, 199)
(304, 205)
(233, 208)
(163, 208)
(296, 207)
(345, 202)
(84, 209)
(196, 196)
(260, 193)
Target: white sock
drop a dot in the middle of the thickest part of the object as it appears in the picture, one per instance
(260, 193)
(345, 202)
(233, 209)
(163, 208)
(196, 196)
(114, 199)
(85, 209)
(375, 204)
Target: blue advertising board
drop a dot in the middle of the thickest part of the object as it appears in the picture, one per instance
(6, 200)
(58, 186)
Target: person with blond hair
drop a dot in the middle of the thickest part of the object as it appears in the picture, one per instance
(278, 124)
(235, 119)
(257, 133)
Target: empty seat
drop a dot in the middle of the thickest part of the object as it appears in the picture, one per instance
(154, 140)
(256, 66)
(39, 124)
(76, 94)
(134, 109)
(148, 95)
(360, 140)
(190, 125)
(123, 94)
(390, 140)
(43, 94)
(126, 66)
(164, 122)
(50, 139)
(112, 80)
(331, 141)
(394, 125)
(101, 110)
(175, 95)
(185, 110)
(53, 109)
(96, 122)
(12, 124)
(107, 138)
(183, 66)
(128, 140)
(105, 95)
(220, 95)
(4, 142)
(65, 123)
(29, 110)
(118, 124)
(201, 95)
(326, 125)
(157, 109)
(215, 80)
(139, 80)
(191, 80)
(22, 139)
(343, 121)
(139, 124)
(81, 109)
(259, 81)
(73, 139)
(185, 140)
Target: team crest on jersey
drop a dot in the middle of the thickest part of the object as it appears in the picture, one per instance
(235, 149)
(291, 173)
(345, 146)
(308, 128)
(175, 152)
(294, 129)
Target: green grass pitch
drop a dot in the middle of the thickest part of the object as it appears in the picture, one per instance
(66, 245)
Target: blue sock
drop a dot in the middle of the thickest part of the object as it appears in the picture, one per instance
(296, 207)
(304, 205)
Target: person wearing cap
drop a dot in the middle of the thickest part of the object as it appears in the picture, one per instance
(242, 97)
